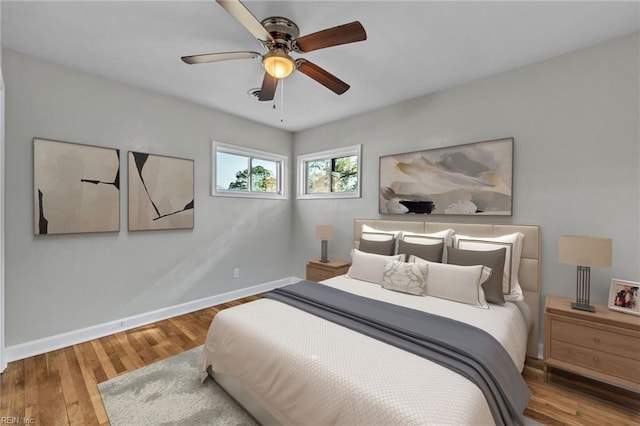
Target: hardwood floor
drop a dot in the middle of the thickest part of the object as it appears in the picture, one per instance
(567, 399)
(60, 387)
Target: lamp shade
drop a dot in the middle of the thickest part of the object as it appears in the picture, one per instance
(584, 251)
(324, 232)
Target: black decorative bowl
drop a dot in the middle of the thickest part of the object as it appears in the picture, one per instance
(420, 207)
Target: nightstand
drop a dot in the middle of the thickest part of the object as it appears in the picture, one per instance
(604, 345)
(318, 271)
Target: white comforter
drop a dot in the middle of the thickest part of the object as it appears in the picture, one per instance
(308, 371)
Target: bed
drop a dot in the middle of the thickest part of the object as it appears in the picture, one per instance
(287, 366)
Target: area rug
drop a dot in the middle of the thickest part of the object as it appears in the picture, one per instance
(169, 392)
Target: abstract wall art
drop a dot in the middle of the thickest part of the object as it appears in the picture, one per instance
(470, 179)
(160, 192)
(76, 188)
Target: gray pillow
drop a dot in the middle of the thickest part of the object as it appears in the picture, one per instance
(493, 259)
(430, 252)
(385, 248)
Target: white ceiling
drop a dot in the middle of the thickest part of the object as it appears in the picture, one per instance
(413, 48)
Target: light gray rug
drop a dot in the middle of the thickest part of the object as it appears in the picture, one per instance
(169, 392)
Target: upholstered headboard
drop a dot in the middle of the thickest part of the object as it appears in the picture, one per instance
(529, 273)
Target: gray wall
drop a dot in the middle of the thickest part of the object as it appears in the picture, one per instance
(575, 120)
(62, 283)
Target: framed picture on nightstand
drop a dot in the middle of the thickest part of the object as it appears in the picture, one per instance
(624, 296)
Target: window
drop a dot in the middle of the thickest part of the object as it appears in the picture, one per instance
(244, 172)
(330, 174)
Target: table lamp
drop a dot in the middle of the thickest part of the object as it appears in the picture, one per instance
(324, 233)
(584, 252)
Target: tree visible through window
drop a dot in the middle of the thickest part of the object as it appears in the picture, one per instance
(243, 172)
(262, 180)
(330, 173)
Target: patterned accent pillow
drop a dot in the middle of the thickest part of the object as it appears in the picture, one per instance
(405, 277)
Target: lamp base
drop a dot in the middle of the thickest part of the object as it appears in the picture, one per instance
(323, 252)
(582, 307)
(583, 277)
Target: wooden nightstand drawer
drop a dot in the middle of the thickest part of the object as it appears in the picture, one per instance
(603, 345)
(594, 338)
(318, 271)
(603, 362)
(319, 274)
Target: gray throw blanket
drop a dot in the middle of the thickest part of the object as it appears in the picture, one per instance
(465, 349)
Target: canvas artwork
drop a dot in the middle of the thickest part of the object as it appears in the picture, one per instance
(160, 192)
(471, 179)
(76, 188)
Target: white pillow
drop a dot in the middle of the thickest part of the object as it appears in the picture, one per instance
(513, 243)
(369, 266)
(458, 283)
(445, 236)
(372, 234)
(405, 277)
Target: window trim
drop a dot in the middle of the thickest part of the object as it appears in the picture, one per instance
(252, 154)
(324, 155)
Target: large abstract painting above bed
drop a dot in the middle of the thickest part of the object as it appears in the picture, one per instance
(335, 352)
(470, 179)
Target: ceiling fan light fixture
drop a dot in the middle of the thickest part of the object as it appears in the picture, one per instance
(278, 64)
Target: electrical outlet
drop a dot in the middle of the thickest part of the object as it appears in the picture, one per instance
(236, 272)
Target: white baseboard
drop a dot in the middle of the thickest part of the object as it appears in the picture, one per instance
(48, 344)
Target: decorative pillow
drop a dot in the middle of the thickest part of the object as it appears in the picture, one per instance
(405, 277)
(369, 266)
(493, 259)
(445, 237)
(458, 283)
(386, 248)
(430, 252)
(372, 234)
(513, 243)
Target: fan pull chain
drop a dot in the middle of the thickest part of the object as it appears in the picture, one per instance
(282, 101)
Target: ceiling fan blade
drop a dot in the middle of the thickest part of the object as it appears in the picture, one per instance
(323, 77)
(215, 57)
(246, 18)
(268, 89)
(335, 36)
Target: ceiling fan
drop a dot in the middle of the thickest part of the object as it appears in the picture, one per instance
(280, 36)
